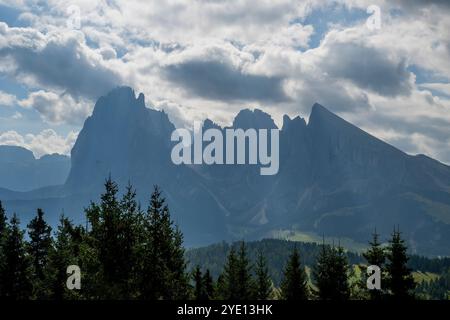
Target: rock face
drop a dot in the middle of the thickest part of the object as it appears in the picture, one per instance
(21, 171)
(334, 179)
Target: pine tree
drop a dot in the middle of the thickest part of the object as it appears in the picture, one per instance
(15, 275)
(331, 274)
(400, 281)
(221, 289)
(375, 255)
(245, 282)
(3, 233)
(65, 252)
(208, 284)
(130, 234)
(162, 254)
(105, 221)
(263, 284)
(199, 289)
(227, 283)
(321, 273)
(341, 274)
(295, 283)
(238, 283)
(113, 236)
(38, 249)
(3, 221)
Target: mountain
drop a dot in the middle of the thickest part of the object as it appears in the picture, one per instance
(21, 171)
(334, 179)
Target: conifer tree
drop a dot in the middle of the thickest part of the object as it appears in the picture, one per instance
(238, 283)
(220, 289)
(3, 233)
(130, 234)
(3, 221)
(331, 274)
(105, 221)
(39, 246)
(375, 255)
(113, 237)
(321, 273)
(341, 273)
(208, 284)
(62, 254)
(245, 282)
(164, 267)
(400, 280)
(199, 289)
(16, 283)
(228, 281)
(294, 285)
(263, 284)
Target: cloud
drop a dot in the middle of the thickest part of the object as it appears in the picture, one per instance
(442, 88)
(59, 60)
(17, 115)
(220, 81)
(7, 100)
(57, 109)
(46, 142)
(368, 68)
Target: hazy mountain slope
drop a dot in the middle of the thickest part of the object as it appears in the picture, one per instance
(21, 171)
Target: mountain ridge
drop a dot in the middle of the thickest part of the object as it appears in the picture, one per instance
(334, 179)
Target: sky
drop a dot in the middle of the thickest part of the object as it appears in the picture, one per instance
(382, 65)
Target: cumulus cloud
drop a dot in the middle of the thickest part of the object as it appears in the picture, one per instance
(57, 60)
(57, 108)
(220, 81)
(45, 142)
(368, 68)
(6, 99)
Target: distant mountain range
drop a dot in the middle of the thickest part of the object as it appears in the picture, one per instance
(334, 179)
(21, 171)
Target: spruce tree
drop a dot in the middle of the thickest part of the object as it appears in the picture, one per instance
(238, 283)
(400, 281)
(375, 255)
(3, 233)
(220, 289)
(3, 221)
(65, 252)
(162, 254)
(228, 282)
(16, 283)
(199, 289)
(341, 274)
(321, 273)
(245, 282)
(106, 239)
(331, 274)
(113, 237)
(294, 285)
(39, 246)
(208, 284)
(263, 284)
(130, 234)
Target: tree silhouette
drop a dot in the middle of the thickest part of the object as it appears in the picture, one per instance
(375, 255)
(16, 283)
(400, 280)
(295, 283)
(331, 274)
(263, 284)
(39, 246)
